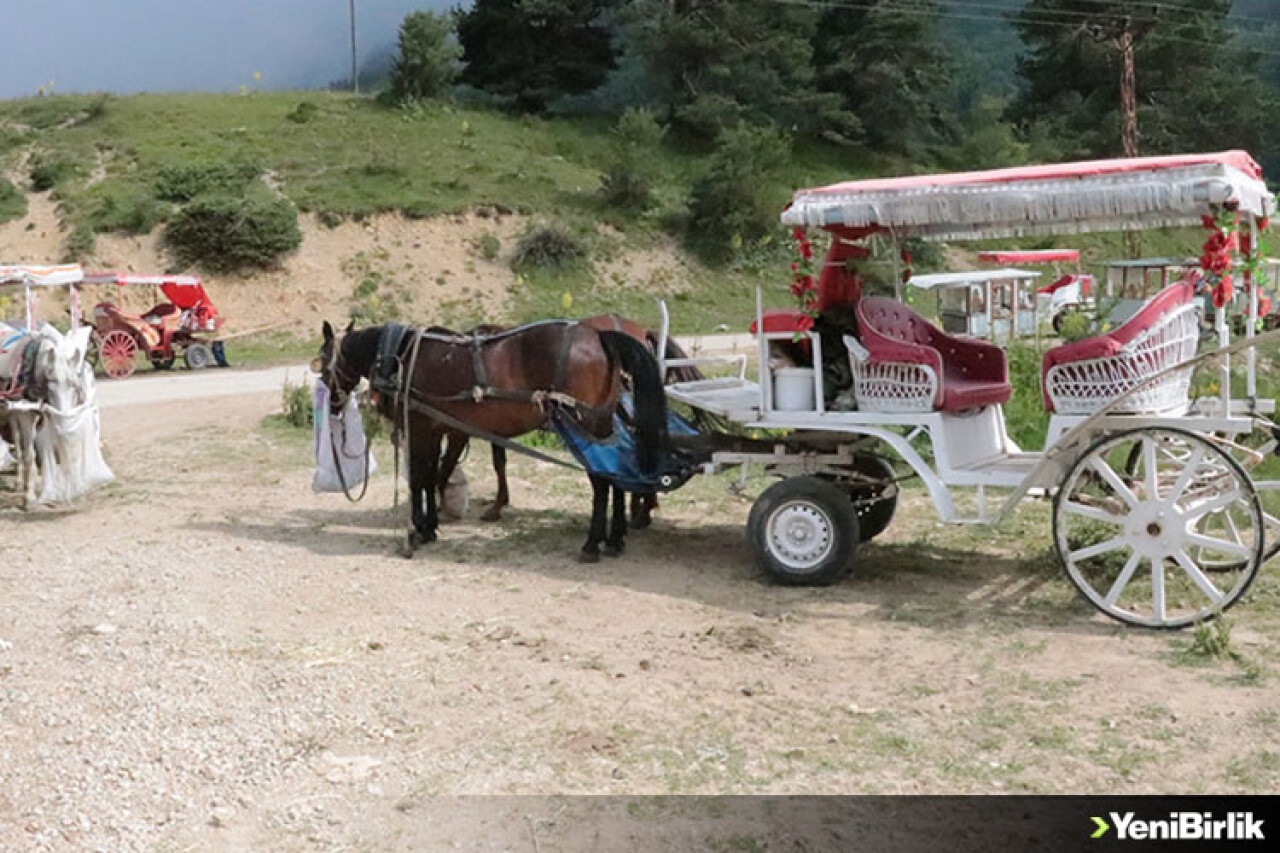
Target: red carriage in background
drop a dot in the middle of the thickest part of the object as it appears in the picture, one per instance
(169, 329)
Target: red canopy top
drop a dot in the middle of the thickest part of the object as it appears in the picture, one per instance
(1008, 257)
(184, 291)
(1088, 168)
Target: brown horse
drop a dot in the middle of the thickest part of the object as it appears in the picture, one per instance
(642, 505)
(505, 384)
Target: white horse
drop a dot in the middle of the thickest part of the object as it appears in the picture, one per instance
(53, 423)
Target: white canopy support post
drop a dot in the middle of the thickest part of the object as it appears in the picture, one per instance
(762, 352)
(664, 333)
(1251, 354)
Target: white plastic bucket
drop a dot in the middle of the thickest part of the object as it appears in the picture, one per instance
(793, 389)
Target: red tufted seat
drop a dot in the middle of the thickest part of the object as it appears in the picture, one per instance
(970, 374)
(1081, 377)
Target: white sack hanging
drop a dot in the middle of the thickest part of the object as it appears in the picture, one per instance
(341, 448)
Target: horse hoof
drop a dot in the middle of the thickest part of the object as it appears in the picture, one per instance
(585, 556)
(641, 523)
(492, 514)
(614, 549)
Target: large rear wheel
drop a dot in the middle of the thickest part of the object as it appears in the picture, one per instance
(1159, 527)
(803, 532)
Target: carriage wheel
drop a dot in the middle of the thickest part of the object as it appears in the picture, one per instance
(1139, 539)
(803, 531)
(874, 509)
(118, 354)
(198, 357)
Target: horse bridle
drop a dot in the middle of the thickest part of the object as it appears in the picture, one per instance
(335, 370)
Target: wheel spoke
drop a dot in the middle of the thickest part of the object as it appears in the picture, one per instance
(1214, 504)
(1221, 546)
(1157, 588)
(1193, 571)
(1126, 575)
(1091, 512)
(1099, 548)
(1184, 479)
(1151, 470)
(1113, 480)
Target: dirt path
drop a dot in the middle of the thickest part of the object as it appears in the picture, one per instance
(206, 655)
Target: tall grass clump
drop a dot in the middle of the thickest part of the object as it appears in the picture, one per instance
(548, 246)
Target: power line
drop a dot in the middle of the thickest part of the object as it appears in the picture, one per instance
(1000, 18)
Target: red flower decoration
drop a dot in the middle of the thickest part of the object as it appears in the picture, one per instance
(1223, 292)
(803, 285)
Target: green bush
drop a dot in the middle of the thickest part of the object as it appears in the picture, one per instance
(50, 170)
(296, 404)
(303, 113)
(181, 182)
(543, 246)
(1076, 326)
(82, 242)
(227, 234)
(627, 184)
(624, 187)
(727, 206)
(13, 201)
(489, 246)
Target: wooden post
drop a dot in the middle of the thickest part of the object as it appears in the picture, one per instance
(1129, 115)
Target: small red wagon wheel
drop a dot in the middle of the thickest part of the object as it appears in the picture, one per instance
(118, 354)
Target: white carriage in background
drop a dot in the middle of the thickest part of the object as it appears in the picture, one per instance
(994, 305)
(1155, 518)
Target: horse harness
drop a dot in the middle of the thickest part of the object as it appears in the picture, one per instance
(391, 375)
(20, 352)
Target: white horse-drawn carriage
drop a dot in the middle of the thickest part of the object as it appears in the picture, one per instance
(48, 403)
(1156, 517)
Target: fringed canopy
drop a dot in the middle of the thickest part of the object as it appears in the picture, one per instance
(27, 275)
(1069, 198)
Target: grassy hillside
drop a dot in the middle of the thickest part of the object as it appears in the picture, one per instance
(337, 156)
(122, 165)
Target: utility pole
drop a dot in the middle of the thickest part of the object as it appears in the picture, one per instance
(1128, 94)
(355, 71)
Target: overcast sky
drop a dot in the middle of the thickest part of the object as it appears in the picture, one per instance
(188, 45)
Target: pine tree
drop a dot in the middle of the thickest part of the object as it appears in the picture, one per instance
(887, 63)
(537, 50)
(428, 59)
(720, 62)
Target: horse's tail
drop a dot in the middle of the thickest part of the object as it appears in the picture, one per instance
(650, 398)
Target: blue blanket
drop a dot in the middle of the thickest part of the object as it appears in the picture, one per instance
(614, 458)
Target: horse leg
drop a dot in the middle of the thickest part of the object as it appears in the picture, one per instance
(599, 509)
(618, 525)
(454, 447)
(424, 464)
(494, 512)
(26, 424)
(642, 507)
